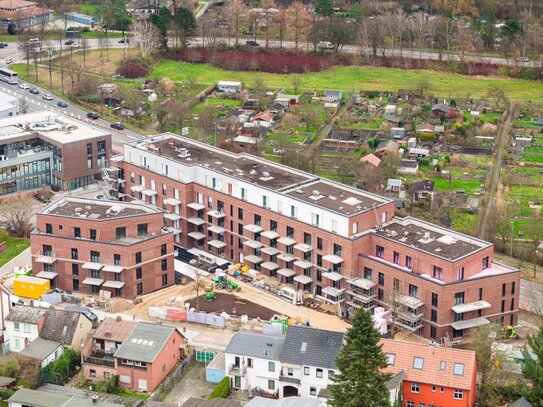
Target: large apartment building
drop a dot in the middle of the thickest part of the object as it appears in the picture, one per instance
(47, 148)
(86, 246)
(342, 244)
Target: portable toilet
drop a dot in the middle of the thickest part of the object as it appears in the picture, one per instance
(30, 287)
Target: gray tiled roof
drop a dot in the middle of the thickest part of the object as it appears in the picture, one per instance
(521, 402)
(145, 342)
(22, 313)
(286, 402)
(40, 398)
(255, 345)
(40, 349)
(194, 402)
(60, 326)
(320, 350)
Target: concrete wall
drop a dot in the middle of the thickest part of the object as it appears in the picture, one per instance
(22, 260)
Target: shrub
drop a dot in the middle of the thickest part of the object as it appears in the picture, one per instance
(6, 393)
(132, 70)
(109, 386)
(222, 389)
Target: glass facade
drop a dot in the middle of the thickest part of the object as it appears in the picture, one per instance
(24, 176)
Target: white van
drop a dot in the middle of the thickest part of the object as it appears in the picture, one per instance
(326, 45)
(33, 41)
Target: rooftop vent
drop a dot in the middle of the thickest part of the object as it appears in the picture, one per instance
(252, 172)
(447, 239)
(352, 201)
(183, 153)
(426, 238)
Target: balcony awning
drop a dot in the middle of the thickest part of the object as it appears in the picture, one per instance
(331, 291)
(472, 306)
(92, 266)
(470, 323)
(303, 279)
(303, 264)
(49, 275)
(196, 235)
(172, 201)
(113, 284)
(45, 259)
(409, 301)
(270, 234)
(149, 192)
(137, 188)
(113, 269)
(216, 244)
(253, 228)
(93, 281)
(216, 229)
(216, 214)
(174, 230)
(272, 251)
(332, 275)
(252, 259)
(172, 216)
(252, 244)
(303, 247)
(362, 283)
(332, 258)
(196, 221)
(286, 272)
(286, 257)
(269, 265)
(287, 241)
(196, 206)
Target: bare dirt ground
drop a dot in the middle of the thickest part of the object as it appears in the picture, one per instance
(226, 302)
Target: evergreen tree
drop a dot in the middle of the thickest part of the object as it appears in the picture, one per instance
(162, 21)
(533, 367)
(185, 22)
(361, 382)
(324, 8)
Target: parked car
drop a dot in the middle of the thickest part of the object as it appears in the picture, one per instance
(124, 41)
(75, 45)
(92, 115)
(252, 44)
(24, 86)
(69, 42)
(62, 103)
(326, 45)
(117, 126)
(83, 310)
(47, 96)
(34, 91)
(524, 59)
(5, 44)
(8, 61)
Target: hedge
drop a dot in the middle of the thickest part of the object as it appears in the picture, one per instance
(222, 390)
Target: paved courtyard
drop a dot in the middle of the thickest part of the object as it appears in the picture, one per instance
(192, 384)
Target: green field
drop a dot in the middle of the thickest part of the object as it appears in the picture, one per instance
(14, 247)
(216, 102)
(469, 186)
(357, 78)
(524, 194)
(533, 154)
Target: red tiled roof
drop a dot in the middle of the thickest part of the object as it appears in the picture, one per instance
(116, 330)
(265, 116)
(405, 352)
(371, 159)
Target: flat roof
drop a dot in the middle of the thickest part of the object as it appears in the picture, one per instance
(55, 126)
(433, 239)
(95, 209)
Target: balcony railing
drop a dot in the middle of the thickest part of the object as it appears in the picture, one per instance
(236, 370)
(104, 361)
(289, 379)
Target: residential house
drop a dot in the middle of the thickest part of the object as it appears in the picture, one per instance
(148, 355)
(440, 108)
(252, 360)
(371, 159)
(51, 395)
(397, 133)
(288, 402)
(423, 188)
(287, 100)
(425, 128)
(5, 307)
(521, 402)
(229, 87)
(97, 355)
(333, 96)
(308, 360)
(23, 325)
(278, 108)
(418, 152)
(71, 329)
(23, 14)
(408, 167)
(264, 119)
(394, 185)
(43, 351)
(394, 120)
(387, 147)
(433, 375)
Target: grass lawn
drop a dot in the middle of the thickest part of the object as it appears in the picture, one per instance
(464, 222)
(293, 138)
(215, 102)
(358, 78)
(533, 154)
(524, 194)
(14, 246)
(468, 185)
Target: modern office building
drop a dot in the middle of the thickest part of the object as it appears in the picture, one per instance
(23, 13)
(47, 148)
(342, 244)
(88, 245)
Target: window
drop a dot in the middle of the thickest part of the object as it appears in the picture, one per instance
(480, 293)
(271, 384)
(139, 273)
(271, 366)
(77, 232)
(307, 238)
(458, 394)
(142, 229)
(243, 194)
(163, 249)
(334, 226)
(93, 234)
(442, 390)
(396, 258)
(273, 225)
(396, 284)
(138, 257)
(315, 219)
(504, 288)
(413, 291)
(458, 369)
(319, 373)
(75, 254)
(391, 358)
(435, 299)
(381, 279)
(48, 228)
(368, 273)
(442, 365)
(437, 272)
(513, 288)
(293, 211)
(434, 389)
(265, 201)
(433, 332)
(240, 213)
(459, 298)
(503, 305)
(460, 274)
(164, 264)
(485, 262)
(75, 284)
(312, 391)
(415, 388)
(418, 363)
(17, 327)
(164, 280)
(512, 304)
(355, 228)
(306, 370)
(249, 362)
(139, 289)
(95, 256)
(433, 316)
(408, 262)
(337, 249)
(380, 251)
(380, 294)
(75, 269)
(290, 231)
(409, 404)
(92, 373)
(319, 243)
(120, 232)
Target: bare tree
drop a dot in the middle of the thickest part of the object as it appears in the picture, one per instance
(18, 212)
(23, 105)
(280, 22)
(267, 6)
(235, 11)
(84, 49)
(146, 37)
(296, 83)
(207, 121)
(298, 19)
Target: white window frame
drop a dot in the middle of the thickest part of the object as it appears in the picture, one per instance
(458, 394)
(415, 388)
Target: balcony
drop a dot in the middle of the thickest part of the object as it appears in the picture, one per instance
(289, 379)
(470, 323)
(100, 358)
(472, 306)
(196, 206)
(237, 370)
(216, 214)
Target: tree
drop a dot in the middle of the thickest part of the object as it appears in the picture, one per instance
(298, 18)
(324, 8)
(533, 367)
(185, 24)
(280, 22)
(235, 11)
(296, 82)
(18, 212)
(371, 35)
(207, 120)
(360, 381)
(267, 6)
(482, 342)
(340, 32)
(23, 104)
(12, 30)
(146, 37)
(162, 21)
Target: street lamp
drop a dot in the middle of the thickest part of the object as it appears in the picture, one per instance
(196, 264)
(512, 239)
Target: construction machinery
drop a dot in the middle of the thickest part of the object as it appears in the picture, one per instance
(209, 293)
(221, 281)
(508, 332)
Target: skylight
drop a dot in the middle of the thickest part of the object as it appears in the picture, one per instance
(458, 369)
(418, 363)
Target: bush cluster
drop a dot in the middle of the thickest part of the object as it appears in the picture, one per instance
(222, 390)
(132, 70)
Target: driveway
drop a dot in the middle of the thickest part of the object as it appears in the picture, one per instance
(192, 384)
